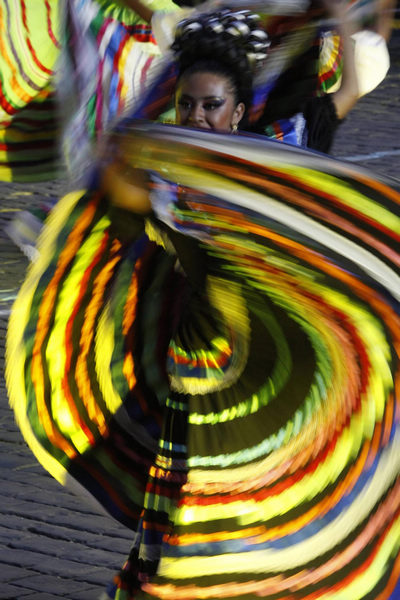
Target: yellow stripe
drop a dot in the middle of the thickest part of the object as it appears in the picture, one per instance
(103, 355)
(56, 349)
(15, 349)
(329, 184)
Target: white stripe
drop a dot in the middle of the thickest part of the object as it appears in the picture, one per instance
(108, 33)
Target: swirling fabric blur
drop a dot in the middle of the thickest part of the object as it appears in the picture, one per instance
(223, 375)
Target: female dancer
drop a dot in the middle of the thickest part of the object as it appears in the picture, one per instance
(312, 121)
(217, 365)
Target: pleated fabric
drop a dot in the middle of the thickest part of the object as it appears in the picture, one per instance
(223, 375)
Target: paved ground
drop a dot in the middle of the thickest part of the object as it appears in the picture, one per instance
(52, 544)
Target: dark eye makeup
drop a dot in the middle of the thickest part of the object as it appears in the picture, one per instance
(213, 104)
(209, 104)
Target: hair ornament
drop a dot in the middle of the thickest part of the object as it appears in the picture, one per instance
(240, 28)
(214, 26)
(185, 30)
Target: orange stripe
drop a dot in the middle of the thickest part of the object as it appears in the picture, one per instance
(87, 336)
(45, 317)
(77, 417)
(129, 317)
(387, 421)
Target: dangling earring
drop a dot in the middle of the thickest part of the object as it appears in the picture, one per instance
(234, 128)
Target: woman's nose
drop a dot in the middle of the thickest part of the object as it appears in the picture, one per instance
(196, 113)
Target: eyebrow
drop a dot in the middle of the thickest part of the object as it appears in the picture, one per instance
(204, 97)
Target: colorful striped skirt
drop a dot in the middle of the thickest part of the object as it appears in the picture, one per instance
(223, 375)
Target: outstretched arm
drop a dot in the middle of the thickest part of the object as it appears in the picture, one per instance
(348, 93)
(384, 20)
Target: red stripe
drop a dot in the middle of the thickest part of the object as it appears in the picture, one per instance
(221, 361)
(145, 69)
(49, 28)
(23, 10)
(37, 61)
(6, 106)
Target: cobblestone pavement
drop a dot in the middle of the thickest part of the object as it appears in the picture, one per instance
(52, 543)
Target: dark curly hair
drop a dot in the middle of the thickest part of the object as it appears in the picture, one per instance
(229, 44)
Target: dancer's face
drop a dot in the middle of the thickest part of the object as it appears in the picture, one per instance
(204, 100)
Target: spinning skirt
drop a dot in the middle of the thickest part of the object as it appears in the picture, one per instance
(223, 375)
